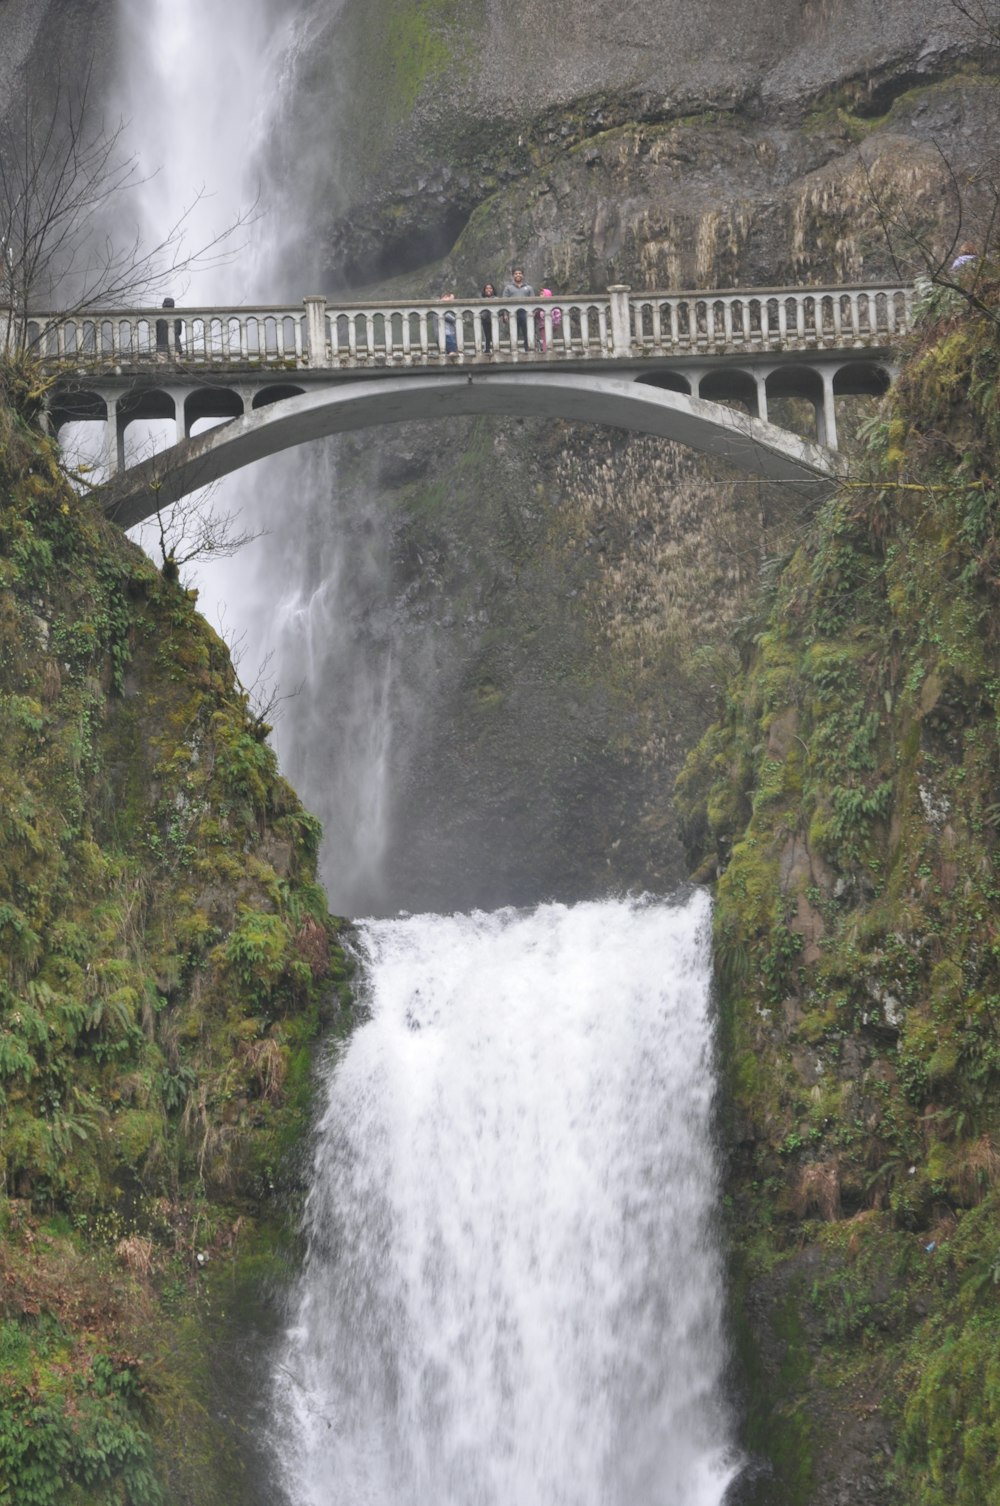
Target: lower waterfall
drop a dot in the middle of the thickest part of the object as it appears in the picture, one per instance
(512, 1294)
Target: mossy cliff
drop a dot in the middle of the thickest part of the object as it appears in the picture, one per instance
(847, 800)
(166, 964)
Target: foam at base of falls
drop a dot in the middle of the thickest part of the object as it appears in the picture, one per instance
(512, 1293)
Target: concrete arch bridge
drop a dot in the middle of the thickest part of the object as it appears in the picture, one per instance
(700, 368)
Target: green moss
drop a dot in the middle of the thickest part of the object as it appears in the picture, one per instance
(162, 988)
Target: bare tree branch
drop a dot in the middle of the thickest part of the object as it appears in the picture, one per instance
(60, 170)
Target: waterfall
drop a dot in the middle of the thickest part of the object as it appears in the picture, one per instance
(512, 1290)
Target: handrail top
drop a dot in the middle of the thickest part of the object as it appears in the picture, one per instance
(297, 310)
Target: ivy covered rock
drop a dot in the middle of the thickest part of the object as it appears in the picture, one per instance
(166, 964)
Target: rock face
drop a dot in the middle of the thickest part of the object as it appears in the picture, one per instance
(433, 108)
(50, 45)
(423, 148)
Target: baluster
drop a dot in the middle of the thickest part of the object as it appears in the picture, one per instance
(838, 319)
(782, 320)
(855, 317)
(407, 316)
(675, 328)
(584, 329)
(727, 320)
(352, 336)
(602, 326)
(657, 327)
(800, 317)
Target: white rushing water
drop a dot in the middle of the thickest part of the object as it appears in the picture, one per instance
(309, 617)
(512, 1295)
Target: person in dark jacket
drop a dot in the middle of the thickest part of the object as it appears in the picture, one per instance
(486, 319)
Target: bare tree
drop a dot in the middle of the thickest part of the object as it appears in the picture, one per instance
(195, 529)
(61, 168)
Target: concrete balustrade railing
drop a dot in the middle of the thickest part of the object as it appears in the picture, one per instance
(619, 324)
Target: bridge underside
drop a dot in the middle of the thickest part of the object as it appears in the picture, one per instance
(751, 444)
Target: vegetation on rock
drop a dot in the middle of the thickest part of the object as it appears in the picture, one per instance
(847, 800)
(166, 963)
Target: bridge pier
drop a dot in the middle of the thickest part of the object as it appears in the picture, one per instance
(826, 417)
(114, 445)
(621, 331)
(760, 381)
(316, 330)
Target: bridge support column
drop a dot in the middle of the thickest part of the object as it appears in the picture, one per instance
(827, 415)
(114, 442)
(761, 383)
(179, 397)
(621, 334)
(316, 330)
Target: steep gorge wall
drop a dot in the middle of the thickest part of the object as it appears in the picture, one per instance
(846, 798)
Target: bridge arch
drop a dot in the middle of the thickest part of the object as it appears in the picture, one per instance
(749, 443)
(731, 385)
(667, 381)
(275, 394)
(862, 379)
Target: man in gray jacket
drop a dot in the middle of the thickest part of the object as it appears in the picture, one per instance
(515, 289)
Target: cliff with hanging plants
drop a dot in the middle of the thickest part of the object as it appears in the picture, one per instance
(166, 965)
(847, 801)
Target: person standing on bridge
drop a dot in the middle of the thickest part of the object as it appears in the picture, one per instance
(517, 288)
(163, 345)
(450, 326)
(486, 319)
